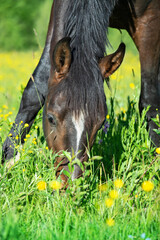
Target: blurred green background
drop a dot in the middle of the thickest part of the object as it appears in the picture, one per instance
(24, 24)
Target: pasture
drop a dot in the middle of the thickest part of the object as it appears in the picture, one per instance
(118, 196)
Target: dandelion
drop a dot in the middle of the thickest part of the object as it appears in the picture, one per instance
(107, 116)
(10, 135)
(110, 222)
(147, 186)
(17, 137)
(10, 113)
(25, 139)
(41, 185)
(6, 116)
(0, 129)
(118, 183)
(158, 150)
(123, 110)
(36, 127)
(103, 187)
(28, 136)
(132, 86)
(23, 169)
(4, 107)
(113, 194)
(46, 148)
(26, 125)
(21, 122)
(55, 185)
(109, 202)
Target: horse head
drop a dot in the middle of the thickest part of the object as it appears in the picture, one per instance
(65, 127)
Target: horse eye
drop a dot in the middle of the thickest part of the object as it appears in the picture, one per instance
(51, 119)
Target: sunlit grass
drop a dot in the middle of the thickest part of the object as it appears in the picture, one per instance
(118, 197)
(15, 71)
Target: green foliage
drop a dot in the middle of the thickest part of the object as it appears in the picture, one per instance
(80, 211)
(122, 151)
(18, 19)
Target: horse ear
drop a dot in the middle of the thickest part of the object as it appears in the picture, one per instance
(62, 58)
(110, 63)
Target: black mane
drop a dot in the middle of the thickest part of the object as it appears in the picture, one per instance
(86, 23)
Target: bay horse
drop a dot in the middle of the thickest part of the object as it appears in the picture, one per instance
(69, 76)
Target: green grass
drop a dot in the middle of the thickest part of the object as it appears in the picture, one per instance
(80, 212)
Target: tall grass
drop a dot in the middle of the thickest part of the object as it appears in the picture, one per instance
(31, 208)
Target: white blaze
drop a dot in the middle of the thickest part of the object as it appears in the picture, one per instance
(78, 122)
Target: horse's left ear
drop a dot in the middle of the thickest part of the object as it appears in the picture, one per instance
(62, 58)
(110, 63)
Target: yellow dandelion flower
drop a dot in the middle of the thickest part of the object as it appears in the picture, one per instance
(28, 136)
(36, 127)
(136, 196)
(16, 137)
(107, 116)
(118, 183)
(6, 116)
(25, 139)
(55, 185)
(30, 151)
(113, 77)
(0, 129)
(21, 122)
(113, 194)
(41, 185)
(1, 115)
(132, 86)
(34, 142)
(46, 148)
(10, 113)
(103, 187)
(110, 222)
(23, 169)
(147, 186)
(5, 107)
(10, 135)
(26, 125)
(158, 150)
(109, 202)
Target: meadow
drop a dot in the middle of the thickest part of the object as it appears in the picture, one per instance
(118, 196)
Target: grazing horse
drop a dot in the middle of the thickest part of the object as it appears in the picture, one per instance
(69, 76)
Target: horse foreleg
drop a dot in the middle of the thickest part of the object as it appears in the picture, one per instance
(147, 40)
(32, 100)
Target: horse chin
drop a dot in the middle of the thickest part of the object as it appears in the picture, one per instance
(77, 173)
